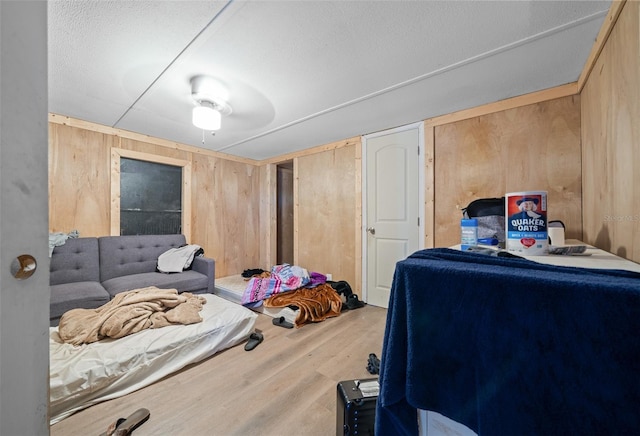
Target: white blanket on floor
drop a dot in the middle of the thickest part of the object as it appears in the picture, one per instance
(232, 287)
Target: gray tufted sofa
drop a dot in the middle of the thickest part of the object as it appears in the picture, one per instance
(88, 272)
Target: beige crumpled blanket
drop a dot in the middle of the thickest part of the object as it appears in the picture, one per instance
(130, 312)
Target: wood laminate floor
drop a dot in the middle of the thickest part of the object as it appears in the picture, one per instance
(286, 386)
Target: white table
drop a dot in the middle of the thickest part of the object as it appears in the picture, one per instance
(592, 258)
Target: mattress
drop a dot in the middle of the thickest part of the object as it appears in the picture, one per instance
(232, 287)
(110, 368)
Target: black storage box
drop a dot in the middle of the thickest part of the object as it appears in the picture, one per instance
(356, 412)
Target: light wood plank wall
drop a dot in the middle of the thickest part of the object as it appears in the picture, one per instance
(611, 140)
(225, 192)
(79, 180)
(234, 202)
(326, 195)
(268, 215)
(528, 148)
(227, 213)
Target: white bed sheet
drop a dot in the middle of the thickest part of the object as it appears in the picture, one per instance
(232, 287)
(92, 373)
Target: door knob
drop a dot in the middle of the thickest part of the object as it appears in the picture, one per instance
(23, 266)
(371, 230)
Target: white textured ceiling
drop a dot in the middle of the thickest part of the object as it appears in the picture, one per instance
(306, 73)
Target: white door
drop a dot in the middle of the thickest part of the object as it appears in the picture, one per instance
(24, 297)
(392, 197)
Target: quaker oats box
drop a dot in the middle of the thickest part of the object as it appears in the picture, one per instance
(526, 223)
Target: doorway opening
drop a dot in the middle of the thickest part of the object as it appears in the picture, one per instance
(284, 205)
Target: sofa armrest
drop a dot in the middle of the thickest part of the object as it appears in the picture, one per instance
(206, 266)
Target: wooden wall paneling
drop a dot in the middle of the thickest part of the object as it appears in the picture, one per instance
(594, 127)
(224, 193)
(429, 185)
(205, 230)
(547, 157)
(468, 158)
(79, 180)
(115, 195)
(154, 149)
(309, 151)
(533, 147)
(506, 104)
(145, 139)
(325, 213)
(603, 35)
(611, 141)
(227, 213)
(625, 58)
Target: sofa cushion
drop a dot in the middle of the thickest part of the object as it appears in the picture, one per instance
(67, 296)
(186, 281)
(136, 254)
(75, 261)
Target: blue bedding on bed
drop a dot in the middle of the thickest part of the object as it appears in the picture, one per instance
(510, 346)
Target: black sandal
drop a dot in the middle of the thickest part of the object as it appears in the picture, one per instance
(280, 321)
(124, 427)
(254, 340)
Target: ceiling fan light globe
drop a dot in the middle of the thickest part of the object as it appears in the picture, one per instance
(206, 118)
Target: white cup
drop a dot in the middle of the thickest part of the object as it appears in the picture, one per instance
(556, 234)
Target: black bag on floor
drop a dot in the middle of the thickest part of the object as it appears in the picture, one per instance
(351, 299)
(341, 287)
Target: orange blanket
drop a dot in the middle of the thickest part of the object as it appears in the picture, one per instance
(315, 304)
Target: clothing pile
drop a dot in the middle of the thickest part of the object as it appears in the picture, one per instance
(282, 278)
(311, 294)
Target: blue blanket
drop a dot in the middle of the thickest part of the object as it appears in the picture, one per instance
(510, 346)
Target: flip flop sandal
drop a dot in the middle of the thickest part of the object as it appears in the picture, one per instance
(124, 427)
(280, 321)
(112, 427)
(254, 340)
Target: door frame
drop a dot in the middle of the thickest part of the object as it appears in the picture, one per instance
(363, 181)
